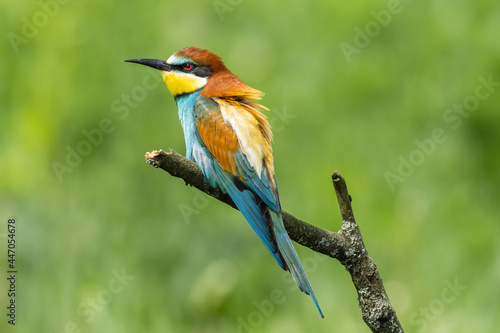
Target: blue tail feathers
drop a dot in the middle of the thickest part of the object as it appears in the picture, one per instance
(291, 258)
(268, 225)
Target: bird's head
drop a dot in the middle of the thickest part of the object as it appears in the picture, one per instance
(192, 69)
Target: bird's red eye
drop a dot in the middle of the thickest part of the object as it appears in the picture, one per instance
(188, 66)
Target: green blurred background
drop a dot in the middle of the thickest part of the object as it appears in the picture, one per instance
(187, 263)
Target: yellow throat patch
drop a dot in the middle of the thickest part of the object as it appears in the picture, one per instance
(182, 83)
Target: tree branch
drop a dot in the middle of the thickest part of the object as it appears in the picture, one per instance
(346, 245)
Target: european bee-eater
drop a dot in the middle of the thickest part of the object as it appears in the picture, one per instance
(230, 140)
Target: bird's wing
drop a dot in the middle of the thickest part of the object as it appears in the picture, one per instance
(236, 140)
(239, 159)
(238, 143)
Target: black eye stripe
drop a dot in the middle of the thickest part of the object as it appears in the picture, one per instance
(201, 71)
(179, 67)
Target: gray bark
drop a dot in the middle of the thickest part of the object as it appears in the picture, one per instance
(346, 245)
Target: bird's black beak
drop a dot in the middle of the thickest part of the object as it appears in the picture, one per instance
(155, 63)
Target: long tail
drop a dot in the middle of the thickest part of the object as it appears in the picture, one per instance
(291, 258)
(266, 222)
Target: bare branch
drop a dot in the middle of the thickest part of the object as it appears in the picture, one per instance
(377, 311)
(346, 245)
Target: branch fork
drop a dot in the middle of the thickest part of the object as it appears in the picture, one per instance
(346, 245)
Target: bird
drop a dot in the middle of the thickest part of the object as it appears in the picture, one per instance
(229, 138)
